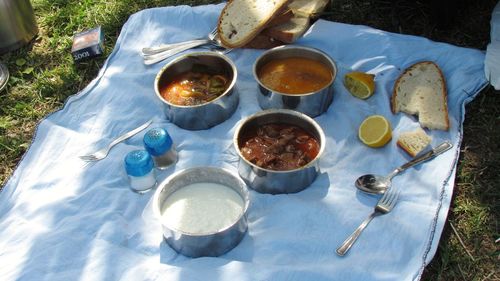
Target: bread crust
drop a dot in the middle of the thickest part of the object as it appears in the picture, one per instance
(256, 30)
(443, 92)
(289, 31)
(263, 42)
(406, 149)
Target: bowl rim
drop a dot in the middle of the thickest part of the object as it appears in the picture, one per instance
(298, 47)
(195, 54)
(322, 138)
(162, 185)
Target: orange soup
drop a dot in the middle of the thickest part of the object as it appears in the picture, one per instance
(193, 88)
(295, 75)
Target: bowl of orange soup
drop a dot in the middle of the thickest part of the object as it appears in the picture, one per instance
(197, 90)
(295, 77)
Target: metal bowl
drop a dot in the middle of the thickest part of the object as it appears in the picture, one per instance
(271, 181)
(210, 243)
(312, 104)
(206, 115)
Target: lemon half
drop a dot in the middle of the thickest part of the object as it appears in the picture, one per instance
(375, 131)
(360, 84)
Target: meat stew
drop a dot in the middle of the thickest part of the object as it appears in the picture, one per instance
(278, 146)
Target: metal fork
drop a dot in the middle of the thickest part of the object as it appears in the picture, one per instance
(384, 206)
(148, 51)
(153, 55)
(102, 153)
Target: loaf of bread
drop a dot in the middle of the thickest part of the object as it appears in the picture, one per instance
(414, 142)
(241, 20)
(421, 91)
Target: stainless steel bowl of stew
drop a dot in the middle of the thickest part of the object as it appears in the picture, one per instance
(295, 77)
(279, 150)
(197, 90)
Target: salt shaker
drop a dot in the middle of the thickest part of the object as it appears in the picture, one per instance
(139, 167)
(159, 144)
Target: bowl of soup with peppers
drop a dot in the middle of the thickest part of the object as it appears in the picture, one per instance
(279, 150)
(295, 77)
(197, 90)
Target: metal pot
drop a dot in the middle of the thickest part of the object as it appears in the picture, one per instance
(271, 181)
(312, 104)
(207, 244)
(17, 24)
(206, 115)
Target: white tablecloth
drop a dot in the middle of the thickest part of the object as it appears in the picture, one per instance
(62, 221)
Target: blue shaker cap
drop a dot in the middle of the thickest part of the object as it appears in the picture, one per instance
(138, 163)
(157, 141)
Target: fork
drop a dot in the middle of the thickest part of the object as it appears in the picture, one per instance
(153, 55)
(148, 51)
(384, 206)
(102, 153)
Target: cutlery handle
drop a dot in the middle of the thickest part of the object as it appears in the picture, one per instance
(429, 155)
(152, 59)
(129, 134)
(347, 244)
(165, 47)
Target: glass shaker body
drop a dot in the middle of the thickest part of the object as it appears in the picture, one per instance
(139, 167)
(159, 144)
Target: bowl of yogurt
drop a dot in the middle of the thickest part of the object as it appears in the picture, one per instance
(202, 210)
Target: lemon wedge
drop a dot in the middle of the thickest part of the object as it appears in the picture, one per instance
(360, 84)
(375, 131)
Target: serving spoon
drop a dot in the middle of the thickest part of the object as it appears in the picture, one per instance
(377, 184)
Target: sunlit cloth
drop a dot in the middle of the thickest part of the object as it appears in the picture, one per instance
(61, 221)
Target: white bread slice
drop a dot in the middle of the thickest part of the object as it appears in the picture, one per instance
(241, 20)
(289, 31)
(262, 41)
(421, 90)
(281, 18)
(308, 8)
(414, 142)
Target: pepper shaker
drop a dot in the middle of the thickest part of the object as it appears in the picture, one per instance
(159, 144)
(139, 167)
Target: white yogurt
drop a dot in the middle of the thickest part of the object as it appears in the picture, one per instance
(202, 208)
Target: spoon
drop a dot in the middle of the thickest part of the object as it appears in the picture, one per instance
(377, 184)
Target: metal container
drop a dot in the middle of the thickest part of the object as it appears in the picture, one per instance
(211, 244)
(312, 104)
(17, 24)
(4, 76)
(276, 182)
(206, 115)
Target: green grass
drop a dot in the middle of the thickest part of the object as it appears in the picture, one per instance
(43, 75)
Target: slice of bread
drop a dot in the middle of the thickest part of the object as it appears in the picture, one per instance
(263, 42)
(281, 18)
(241, 20)
(289, 31)
(421, 91)
(308, 8)
(414, 142)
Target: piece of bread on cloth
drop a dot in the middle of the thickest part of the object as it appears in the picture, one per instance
(282, 22)
(242, 20)
(303, 13)
(262, 41)
(281, 18)
(308, 8)
(289, 31)
(421, 90)
(414, 142)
